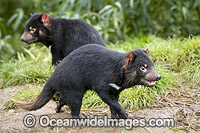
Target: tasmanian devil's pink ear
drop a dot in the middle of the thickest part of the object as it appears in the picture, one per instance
(45, 19)
(31, 14)
(147, 51)
(129, 59)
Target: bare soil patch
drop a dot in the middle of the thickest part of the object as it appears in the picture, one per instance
(181, 104)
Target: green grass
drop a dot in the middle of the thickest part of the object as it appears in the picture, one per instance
(32, 67)
(177, 61)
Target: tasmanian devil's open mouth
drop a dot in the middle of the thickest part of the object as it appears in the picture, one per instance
(151, 83)
(148, 83)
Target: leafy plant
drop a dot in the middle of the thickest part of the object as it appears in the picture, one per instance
(114, 19)
(16, 19)
(5, 46)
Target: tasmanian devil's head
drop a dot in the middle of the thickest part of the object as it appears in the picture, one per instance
(139, 69)
(37, 29)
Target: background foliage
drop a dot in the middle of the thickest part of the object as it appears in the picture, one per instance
(114, 19)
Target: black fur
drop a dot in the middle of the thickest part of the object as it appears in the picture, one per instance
(63, 35)
(96, 67)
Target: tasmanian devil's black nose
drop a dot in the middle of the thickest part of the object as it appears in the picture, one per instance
(22, 39)
(158, 77)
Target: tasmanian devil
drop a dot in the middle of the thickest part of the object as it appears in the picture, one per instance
(95, 67)
(62, 35)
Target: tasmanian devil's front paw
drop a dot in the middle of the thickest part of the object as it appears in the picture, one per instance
(123, 115)
(114, 116)
(59, 110)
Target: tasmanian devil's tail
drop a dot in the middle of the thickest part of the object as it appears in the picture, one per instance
(40, 100)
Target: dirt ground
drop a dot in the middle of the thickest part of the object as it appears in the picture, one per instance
(181, 104)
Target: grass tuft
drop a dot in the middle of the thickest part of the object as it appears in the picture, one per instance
(28, 68)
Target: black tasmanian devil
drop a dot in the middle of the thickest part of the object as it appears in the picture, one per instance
(95, 67)
(62, 35)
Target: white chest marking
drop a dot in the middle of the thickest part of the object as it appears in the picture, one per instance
(115, 86)
(50, 47)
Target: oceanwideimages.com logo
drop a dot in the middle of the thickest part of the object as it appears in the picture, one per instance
(95, 121)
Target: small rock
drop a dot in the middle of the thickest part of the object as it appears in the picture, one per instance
(11, 111)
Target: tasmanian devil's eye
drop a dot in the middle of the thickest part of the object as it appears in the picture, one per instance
(32, 30)
(143, 69)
